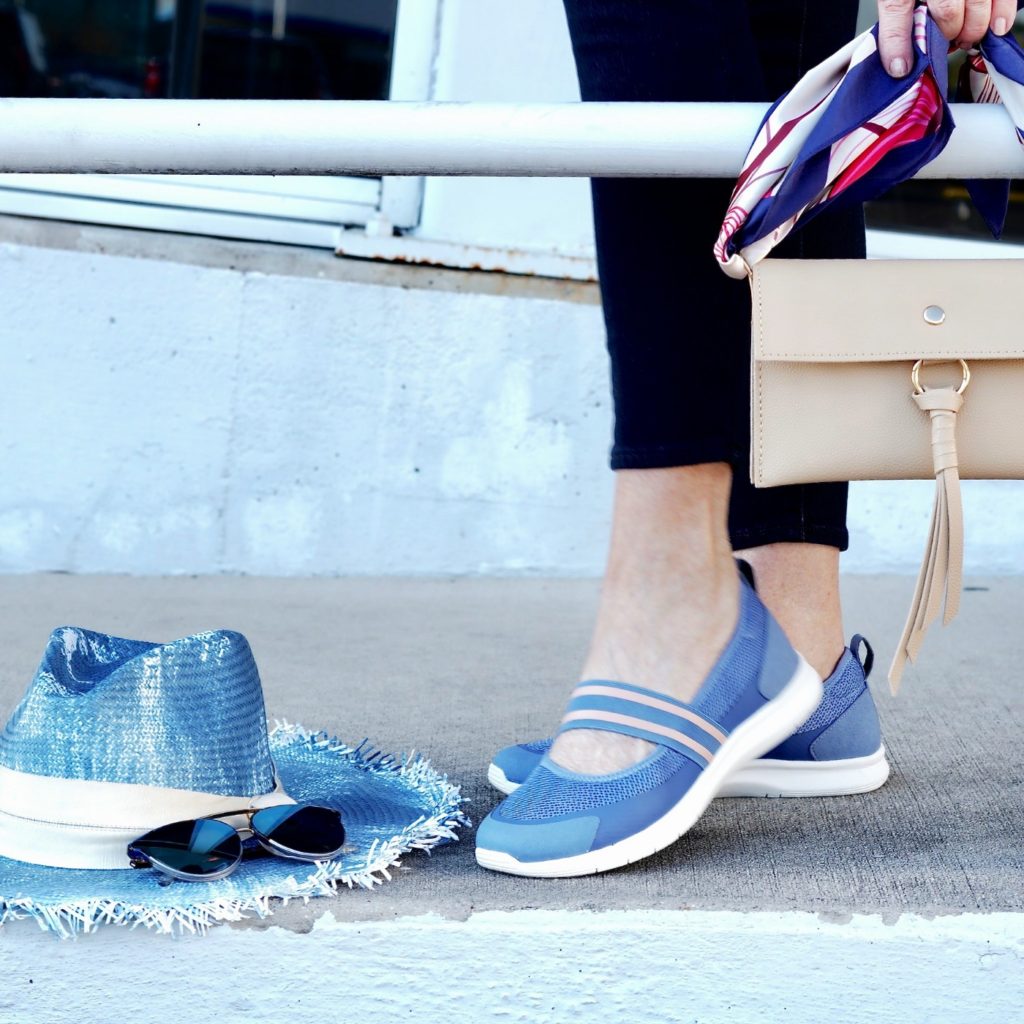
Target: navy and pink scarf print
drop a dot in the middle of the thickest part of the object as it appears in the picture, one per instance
(847, 131)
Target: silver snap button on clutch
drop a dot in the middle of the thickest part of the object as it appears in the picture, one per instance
(934, 315)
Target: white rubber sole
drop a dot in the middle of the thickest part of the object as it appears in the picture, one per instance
(773, 778)
(500, 781)
(783, 779)
(759, 733)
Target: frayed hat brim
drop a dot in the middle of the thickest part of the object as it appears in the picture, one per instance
(391, 806)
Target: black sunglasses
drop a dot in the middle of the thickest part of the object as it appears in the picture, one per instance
(205, 849)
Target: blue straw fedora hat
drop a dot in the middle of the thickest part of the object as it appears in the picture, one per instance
(117, 737)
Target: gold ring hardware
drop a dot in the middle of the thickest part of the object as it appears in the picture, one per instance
(915, 374)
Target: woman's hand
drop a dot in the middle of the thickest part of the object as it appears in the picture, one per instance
(964, 21)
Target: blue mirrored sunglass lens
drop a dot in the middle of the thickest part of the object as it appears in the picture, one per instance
(197, 848)
(303, 829)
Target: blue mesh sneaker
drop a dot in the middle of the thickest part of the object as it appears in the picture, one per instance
(561, 823)
(838, 751)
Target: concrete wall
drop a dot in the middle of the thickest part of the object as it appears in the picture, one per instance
(163, 412)
(166, 417)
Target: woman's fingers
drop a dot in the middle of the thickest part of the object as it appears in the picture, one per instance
(964, 21)
(895, 28)
(977, 18)
(950, 15)
(1004, 14)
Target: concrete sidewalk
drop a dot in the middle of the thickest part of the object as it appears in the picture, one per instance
(456, 669)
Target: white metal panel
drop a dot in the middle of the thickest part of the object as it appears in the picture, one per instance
(495, 52)
(309, 198)
(56, 206)
(412, 75)
(906, 245)
(577, 265)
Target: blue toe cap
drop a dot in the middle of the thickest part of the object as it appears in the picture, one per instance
(538, 840)
(516, 762)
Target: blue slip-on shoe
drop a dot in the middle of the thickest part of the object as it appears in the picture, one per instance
(561, 823)
(838, 751)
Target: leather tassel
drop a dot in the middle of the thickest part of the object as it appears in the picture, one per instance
(941, 573)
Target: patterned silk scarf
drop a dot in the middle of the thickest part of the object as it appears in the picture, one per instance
(847, 131)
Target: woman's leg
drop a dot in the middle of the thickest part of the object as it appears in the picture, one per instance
(678, 335)
(793, 535)
(670, 596)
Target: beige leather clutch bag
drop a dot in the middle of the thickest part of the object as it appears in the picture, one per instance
(882, 370)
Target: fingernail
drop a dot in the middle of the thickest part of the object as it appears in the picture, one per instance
(897, 67)
(1000, 26)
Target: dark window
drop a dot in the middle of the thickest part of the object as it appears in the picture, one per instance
(936, 207)
(203, 49)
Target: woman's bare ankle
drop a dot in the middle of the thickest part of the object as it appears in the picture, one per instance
(664, 637)
(800, 585)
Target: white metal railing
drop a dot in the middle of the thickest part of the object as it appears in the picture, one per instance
(401, 138)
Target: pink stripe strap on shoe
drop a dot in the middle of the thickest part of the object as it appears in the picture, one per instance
(634, 711)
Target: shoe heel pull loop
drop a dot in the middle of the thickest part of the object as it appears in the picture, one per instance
(747, 572)
(867, 662)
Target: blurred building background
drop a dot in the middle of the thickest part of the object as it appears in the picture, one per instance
(306, 375)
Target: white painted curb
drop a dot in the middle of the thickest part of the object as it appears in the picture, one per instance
(533, 965)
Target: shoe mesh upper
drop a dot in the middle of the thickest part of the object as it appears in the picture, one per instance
(841, 690)
(537, 746)
(546, 795)
(740, 666)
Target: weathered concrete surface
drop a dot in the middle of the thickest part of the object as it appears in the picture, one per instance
(198, 405)
(456, 669)
(903, 905)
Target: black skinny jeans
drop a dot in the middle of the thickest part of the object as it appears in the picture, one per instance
(678, 328)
